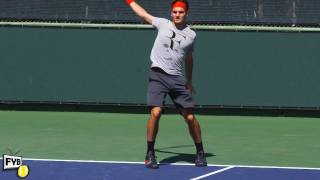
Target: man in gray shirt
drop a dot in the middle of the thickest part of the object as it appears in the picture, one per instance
(171, 53)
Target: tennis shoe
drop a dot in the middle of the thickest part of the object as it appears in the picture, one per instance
(151, 161)
(200, 160)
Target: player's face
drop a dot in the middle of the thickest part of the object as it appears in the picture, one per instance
(178, 15)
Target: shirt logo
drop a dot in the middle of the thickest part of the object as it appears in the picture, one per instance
(174, 41)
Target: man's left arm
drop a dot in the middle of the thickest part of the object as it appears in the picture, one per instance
(189, 69)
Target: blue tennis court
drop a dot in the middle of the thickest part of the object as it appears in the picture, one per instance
(94, 170)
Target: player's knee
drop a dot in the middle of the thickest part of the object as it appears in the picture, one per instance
(189, 118)
(156, 112)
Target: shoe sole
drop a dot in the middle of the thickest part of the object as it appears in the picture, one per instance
(201, 165)
(150, 166)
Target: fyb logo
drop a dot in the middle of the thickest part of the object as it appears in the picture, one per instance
(11, 162)
(15, 162)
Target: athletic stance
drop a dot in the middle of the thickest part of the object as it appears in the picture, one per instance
(171, 53)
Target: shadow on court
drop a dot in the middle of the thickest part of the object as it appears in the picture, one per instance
(178, 157)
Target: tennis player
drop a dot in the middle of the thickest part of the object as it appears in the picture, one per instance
(170, 56)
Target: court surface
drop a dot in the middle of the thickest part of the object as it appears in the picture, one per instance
(83, 145)
(77, 169)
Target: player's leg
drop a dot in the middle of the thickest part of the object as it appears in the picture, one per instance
(157, 92)
(182, 99)
(193, 124)
(195, 133)
(153, 126)
(152, 130)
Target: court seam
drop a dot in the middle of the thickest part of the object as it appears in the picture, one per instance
(213, 173)
(175, 164)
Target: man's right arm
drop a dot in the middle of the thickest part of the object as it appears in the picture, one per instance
(142, 13)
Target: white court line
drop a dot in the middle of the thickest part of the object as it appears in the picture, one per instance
(179, 164)
(212, 173)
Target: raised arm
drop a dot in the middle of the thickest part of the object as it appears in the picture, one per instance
(142, 13)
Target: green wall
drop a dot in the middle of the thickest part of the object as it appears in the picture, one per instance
(111, 66)
(259, 68)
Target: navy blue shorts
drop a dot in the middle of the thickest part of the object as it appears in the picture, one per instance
(161, 84)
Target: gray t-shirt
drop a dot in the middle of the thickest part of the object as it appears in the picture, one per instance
(171, 46)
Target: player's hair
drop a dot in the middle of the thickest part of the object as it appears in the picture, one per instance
(184, 1)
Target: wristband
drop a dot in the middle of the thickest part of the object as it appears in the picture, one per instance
(129, 2)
